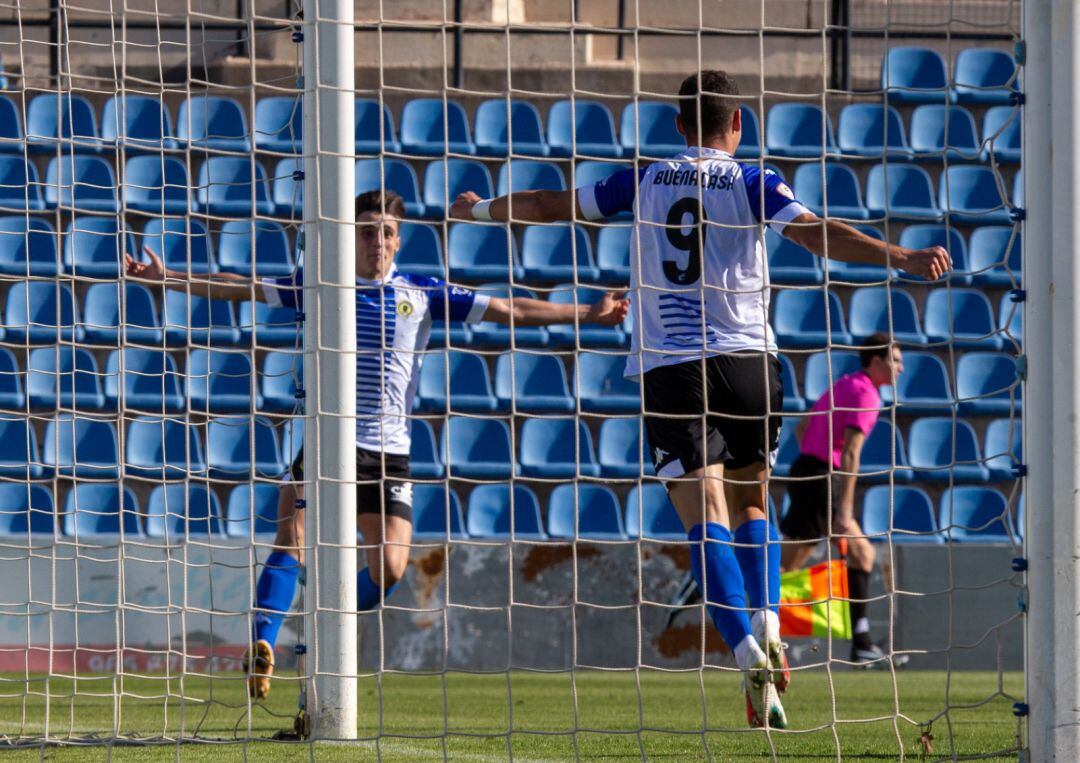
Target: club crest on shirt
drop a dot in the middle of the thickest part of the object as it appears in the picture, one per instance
(405, 309)
(784, 190)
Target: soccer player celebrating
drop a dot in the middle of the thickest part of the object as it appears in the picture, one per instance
(394, 313)
(704, 350)
(831, 439)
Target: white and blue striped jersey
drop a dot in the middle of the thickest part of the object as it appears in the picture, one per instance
(393, 324)
(699, 280)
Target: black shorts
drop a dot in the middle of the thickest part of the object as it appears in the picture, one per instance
(808, 515)
(730, 407)
(373, 486)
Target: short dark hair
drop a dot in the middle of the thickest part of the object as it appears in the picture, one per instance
(718, 103)
(380, 202)
(877, 345)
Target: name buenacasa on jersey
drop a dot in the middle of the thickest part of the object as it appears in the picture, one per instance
(708, 181)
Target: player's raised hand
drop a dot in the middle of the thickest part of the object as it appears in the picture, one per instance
(461, 209)
(610, 309)
(154, 270)
(931, 263)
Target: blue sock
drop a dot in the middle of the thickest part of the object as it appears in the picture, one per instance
(759, 559)
(368, 595)
(720, 581)
(274, 592)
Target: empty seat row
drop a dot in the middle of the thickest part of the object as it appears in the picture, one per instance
(966, 514)
(921, 75)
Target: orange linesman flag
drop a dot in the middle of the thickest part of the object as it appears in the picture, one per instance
(814, 601)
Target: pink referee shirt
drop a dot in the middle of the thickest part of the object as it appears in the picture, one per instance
(855, 403)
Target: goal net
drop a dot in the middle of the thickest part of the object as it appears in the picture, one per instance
(151, 422)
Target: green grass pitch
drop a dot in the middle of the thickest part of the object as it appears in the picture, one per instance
(651, 715)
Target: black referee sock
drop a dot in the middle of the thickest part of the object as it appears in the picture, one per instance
(859, 591)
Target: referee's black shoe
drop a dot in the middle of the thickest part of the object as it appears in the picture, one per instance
(870, 656)
(687, 595)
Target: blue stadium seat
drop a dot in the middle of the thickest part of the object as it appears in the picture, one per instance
(282, 373)
(94, 247)
(229, 449)
(444, 179)
(279, 124)
(257, 248)
(102, 321)
(81, 183)
(943, 450)
(613, 254)
(876, 462)
(233, 186)
(994, 256)
(182, 244)
(430, 127)
(816, 376)
(963, 317)
(63, 119)
(287, 188)
(64, 377)
(434, 508)
(623, 450)
(12, 397)
(789, 263)
(30, 315)
(900, 192)
(650, 514)
(983, 76)
(19, 455)
(26, 508)
(101, 508)
(971, 514)
(859, 272)
(199, 321)
(533, 383)
(394, 175)
(925, 235)
(137, 123)
(586, 335)
(970, 196)
(76, 446)
(221, 382)
(750, 144)
(262, 326)
(602, 387)
(423, 455)
(160, 449)
(491, 334)
(594, 510)
(914, 75)
(496, 122)
(872, 131)
(20, 189)
(529, 175)
(475, 448)
(150, 380)
(940, 131)
(787, 449)
(582, 128)
(655, 135)
(793, 401)
(28, 247)
(421, 251)
(987, 384)
(1011, 322)
(371, 137)
(478, 252)
(549, 449)
(1003, 449)
(493, 514)
(11, 130)
(1001, 134)
(259, 500)
(177, 512)
(213, 123)
(844, 198)
(459, 379)
(798, 131)
(157, 185)
(549, 253)
(924, 385)
(899, 514)
(799, 319)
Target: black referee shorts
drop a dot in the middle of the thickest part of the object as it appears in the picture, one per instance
(721, 410)
(374, 487)
(809, 512)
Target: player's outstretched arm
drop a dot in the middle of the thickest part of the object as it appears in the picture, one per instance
(842, 242)
(216, 286)
(609, 310)
(522, 206)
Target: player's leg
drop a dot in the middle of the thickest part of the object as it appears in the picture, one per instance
(384, 518)
(794, 556)
(860, 564)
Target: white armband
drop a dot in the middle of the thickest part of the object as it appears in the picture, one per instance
(482, 209)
